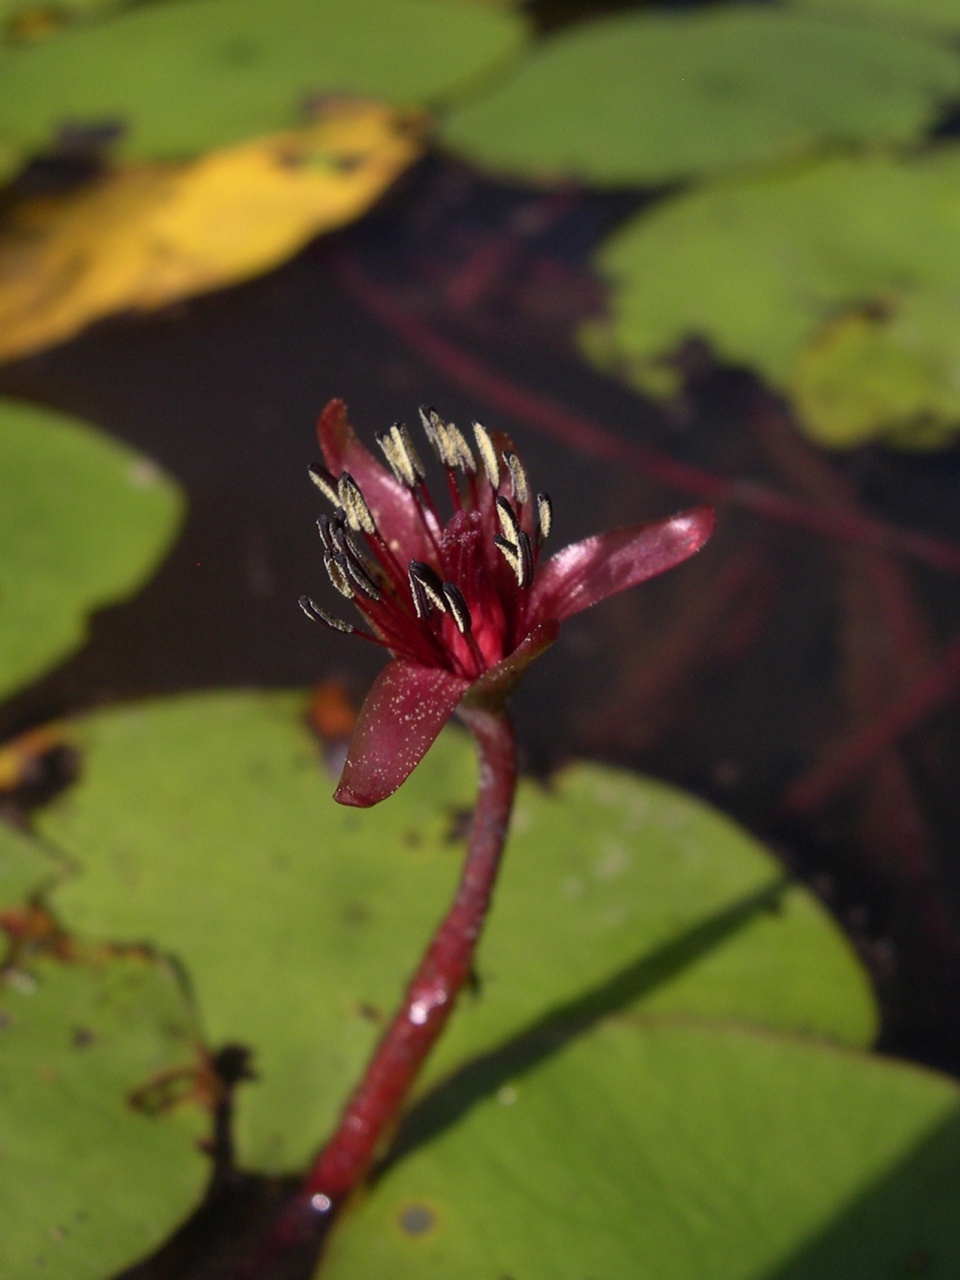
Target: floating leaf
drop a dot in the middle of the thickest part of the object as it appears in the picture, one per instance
(621, 889)
(29, 20)
(83, 521)
(652, 97)
(839, 283)
(147, 235)
(188, 75)
(11, 161)
(26, 867)
(675, 1153)
(90, 1183)
(911, 15)
(205, 825)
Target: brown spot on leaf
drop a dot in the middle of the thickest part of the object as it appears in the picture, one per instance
(458, 825)
(34, 24)
(417, 1219)
(201, 1082)
(32, 931)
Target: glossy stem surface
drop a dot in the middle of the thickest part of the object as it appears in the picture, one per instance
(431, 995)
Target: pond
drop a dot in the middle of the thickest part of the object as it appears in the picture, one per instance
(800, 674)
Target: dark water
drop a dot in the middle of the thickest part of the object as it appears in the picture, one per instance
(733, 676)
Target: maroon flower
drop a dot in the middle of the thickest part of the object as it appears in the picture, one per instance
(464, 606)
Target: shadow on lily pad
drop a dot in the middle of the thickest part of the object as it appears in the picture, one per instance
(445, 1104)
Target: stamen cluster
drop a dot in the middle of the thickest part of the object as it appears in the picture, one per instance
(463, 605)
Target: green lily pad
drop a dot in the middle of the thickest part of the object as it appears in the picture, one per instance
(676, 1153)
(205, 825)
(941, 16)
(622, 891)
(26, 867)
(89, 1182)
(652, 97)
(11, 161)
(839, 283)
(188, 75)
(83, 521)
(29, 20)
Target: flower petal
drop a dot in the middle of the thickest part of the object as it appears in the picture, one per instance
(586, 572)
(404, 711)
(391, 504)
(495, 686)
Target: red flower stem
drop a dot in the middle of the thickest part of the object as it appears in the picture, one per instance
(588, 437)
(374, 1107)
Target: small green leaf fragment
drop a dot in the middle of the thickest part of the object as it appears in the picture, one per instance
(83, 521)
(25, 867)
(89, 1184)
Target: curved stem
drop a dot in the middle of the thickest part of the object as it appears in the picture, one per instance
(428, 1002)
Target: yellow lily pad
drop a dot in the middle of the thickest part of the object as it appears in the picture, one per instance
(147, 235)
